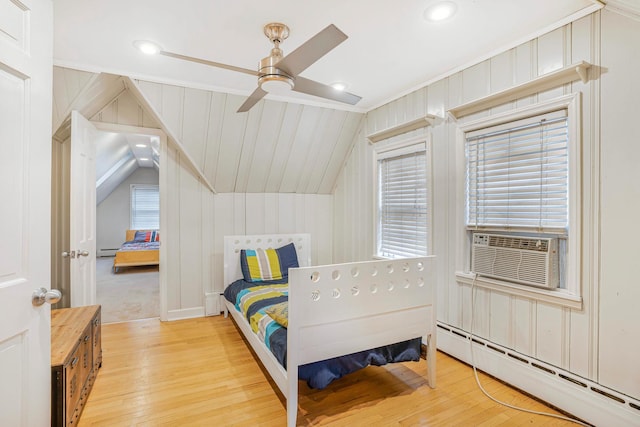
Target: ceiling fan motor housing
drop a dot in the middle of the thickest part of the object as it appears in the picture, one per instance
(270, 77)
(270, 73)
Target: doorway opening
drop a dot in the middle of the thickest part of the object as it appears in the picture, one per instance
(128, 226)
(125, 158)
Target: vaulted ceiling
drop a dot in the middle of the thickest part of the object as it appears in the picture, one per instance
(391, 49)
(277, 147)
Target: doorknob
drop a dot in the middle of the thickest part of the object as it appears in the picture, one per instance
(42, 295)
(83, 253)
(66, 254)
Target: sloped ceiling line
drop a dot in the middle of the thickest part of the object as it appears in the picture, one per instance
(344, 159)
(333, 152)
(137, 93)
(338, 142)
(67, 84)
(99, 91)
(113, 169)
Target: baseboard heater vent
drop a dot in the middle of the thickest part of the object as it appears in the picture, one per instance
(609, 395)
(107, 251)
(554, 371)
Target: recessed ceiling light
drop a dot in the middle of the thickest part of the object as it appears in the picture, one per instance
(341, 86)
(141, 145)
(148, 47)
(440, 11)
(143, 159)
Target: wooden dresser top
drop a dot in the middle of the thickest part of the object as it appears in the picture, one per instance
(67, 324)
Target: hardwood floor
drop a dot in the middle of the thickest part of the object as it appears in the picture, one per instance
(201, 372)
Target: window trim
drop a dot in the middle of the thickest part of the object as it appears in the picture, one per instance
(384, 148)
(572, 295)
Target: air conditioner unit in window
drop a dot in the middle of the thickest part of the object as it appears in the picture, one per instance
(527, 260)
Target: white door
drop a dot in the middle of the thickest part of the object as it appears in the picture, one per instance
(82, 216)
(26, 34)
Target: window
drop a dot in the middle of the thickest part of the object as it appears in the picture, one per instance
(522, 179)
(517, 175)
(402, 202)
(145, 207)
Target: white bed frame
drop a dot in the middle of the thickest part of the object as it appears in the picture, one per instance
(340, 309)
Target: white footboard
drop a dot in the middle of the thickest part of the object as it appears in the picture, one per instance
(344, 308)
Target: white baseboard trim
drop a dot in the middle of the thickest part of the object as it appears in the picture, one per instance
(212, 304)
(575, 395)
(185, 313)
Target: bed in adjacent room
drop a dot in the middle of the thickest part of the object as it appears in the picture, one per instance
(141, 247)
(324, 322)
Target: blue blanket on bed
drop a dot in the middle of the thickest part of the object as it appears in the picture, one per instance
(253, 299)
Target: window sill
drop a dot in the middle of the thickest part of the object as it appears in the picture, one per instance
(558, 297)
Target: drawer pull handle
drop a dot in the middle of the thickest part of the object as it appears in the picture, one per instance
(74, 361)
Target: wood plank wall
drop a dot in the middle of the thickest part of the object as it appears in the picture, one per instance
(267, 213)
(570, 339)
(276, 147)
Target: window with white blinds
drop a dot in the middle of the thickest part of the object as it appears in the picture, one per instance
(517, 175)
(145, 207)
(402, 202)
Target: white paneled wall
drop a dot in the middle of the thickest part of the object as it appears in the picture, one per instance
(276, 147)
(267, 213)
(594, 342)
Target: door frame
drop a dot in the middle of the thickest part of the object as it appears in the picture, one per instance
(162, 184)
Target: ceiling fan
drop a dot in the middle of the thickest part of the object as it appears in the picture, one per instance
(280, 73)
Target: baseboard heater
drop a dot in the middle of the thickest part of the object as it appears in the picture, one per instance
(107, 252)
(567, 391)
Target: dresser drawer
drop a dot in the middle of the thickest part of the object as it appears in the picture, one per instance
(73, 379)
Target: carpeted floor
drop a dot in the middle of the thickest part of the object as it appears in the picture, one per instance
(133, 293)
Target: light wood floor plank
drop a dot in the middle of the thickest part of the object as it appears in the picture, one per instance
(202, 372)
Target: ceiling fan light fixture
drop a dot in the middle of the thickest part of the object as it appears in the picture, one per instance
(276, 84)
(440, 11)
(147, 47)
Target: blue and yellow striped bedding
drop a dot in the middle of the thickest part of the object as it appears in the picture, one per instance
(253, 299)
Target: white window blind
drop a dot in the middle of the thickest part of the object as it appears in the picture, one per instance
(402, 203)
(145, 207)
(517, 174)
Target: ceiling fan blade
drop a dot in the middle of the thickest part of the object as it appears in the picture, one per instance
(256, 96)
(206, 62)
(312, 87)
(311, 50)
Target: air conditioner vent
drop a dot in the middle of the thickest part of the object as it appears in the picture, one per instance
(529, 244)
(526, 260)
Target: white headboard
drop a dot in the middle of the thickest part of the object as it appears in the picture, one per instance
(233, 245)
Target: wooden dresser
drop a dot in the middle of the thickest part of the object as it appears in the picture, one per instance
(76, 356)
